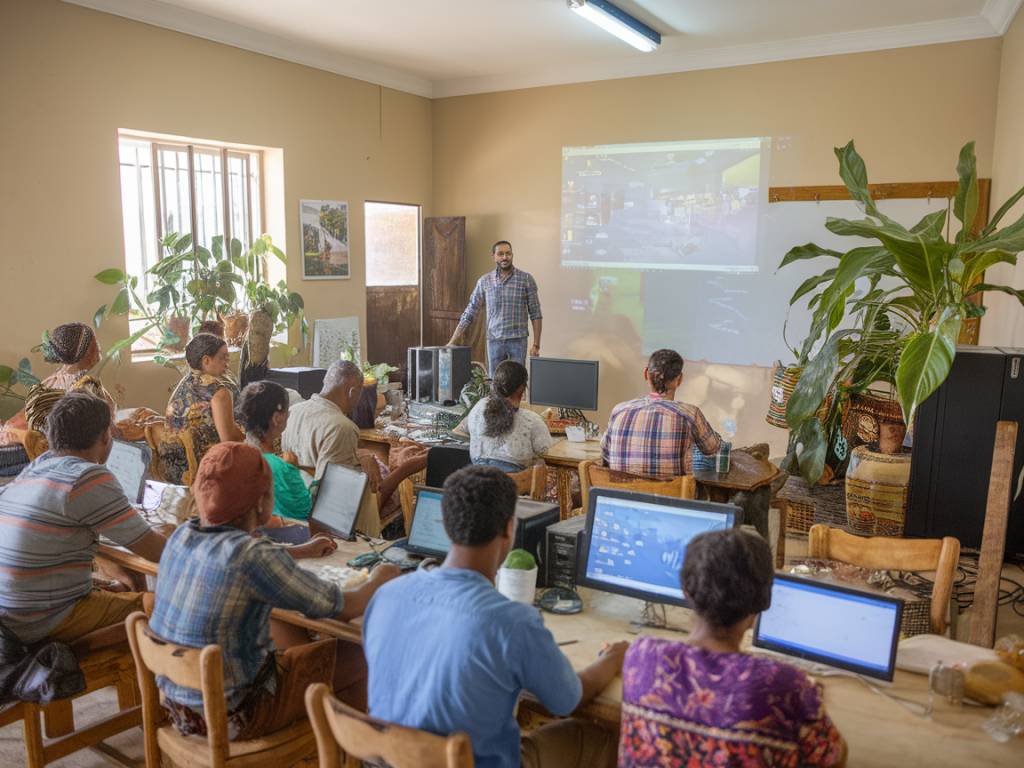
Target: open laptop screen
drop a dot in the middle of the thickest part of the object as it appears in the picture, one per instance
(127, 463)
(428, 536)
(338, 500)
(836, 625)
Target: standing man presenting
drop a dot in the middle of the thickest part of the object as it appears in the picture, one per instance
(511, 297)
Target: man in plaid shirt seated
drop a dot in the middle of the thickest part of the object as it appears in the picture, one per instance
(511, 297)
(655, 435)
(218, 584)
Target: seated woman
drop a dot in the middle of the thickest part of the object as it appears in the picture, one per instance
(708, 703)
(74, 346)
(501, 433)
(201, 402)
(263, 408)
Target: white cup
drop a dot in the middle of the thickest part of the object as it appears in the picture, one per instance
(517, 584)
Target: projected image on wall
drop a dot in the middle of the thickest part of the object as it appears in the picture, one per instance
(688, 205)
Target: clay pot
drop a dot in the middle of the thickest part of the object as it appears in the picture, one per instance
(235, 328)
(180, 327)
(890, 436)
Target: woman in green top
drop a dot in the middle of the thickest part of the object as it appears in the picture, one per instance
(263, 408)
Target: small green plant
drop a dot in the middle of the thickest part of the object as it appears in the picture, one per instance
(379, 372)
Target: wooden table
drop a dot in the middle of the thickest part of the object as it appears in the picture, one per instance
(879, 731)
(746, 472)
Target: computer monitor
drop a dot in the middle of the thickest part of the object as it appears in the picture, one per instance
(634, 543)
(338, 499)
(833, 624)
(127, 463)
(564, 383)
(428, 537)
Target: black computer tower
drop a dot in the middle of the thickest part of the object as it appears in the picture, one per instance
(438, 374)
(953, 437)
(532, 521)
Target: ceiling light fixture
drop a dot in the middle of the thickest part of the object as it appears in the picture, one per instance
(613, 19)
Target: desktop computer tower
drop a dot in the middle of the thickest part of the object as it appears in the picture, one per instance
(953, 437)
(561, 552)
(438, 374)
(453, 373)
(532, 521)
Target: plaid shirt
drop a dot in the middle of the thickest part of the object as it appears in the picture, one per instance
(218, 585)
(655, 437)
(510, 302)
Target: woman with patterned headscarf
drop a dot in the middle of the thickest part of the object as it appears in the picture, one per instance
(74, 346)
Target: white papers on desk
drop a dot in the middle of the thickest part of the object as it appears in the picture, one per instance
(922, 652)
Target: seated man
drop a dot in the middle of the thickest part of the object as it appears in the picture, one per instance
(51, 518)
(447, 652)
(321, 431)
(705, 702)
(655, 435)
(218, 584)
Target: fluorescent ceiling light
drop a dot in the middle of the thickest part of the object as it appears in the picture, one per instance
(613, 19)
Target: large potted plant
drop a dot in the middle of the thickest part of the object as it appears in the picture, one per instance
(903, 330)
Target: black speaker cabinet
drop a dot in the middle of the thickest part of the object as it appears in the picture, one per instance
(954, 433)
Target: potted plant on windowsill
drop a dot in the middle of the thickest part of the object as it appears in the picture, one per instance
(903, 330)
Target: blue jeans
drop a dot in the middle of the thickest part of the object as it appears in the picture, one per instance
(499, 350)
(504, 466)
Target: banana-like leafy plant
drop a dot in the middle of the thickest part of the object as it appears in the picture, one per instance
(903, 330)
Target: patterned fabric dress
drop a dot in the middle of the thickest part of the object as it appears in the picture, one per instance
(684, 706)
(189, 408)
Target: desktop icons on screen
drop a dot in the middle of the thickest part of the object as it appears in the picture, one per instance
(634, 544)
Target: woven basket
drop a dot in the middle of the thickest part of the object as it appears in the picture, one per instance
(877, 485)
(809, 505)
(784, 382)
(863, 417)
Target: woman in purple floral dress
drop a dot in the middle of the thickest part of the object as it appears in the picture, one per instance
(706, 703)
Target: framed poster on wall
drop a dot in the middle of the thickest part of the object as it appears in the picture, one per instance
(324, 240)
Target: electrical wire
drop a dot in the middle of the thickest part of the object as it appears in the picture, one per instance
(1011, 591)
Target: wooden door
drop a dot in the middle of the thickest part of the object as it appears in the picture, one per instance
(392, 324)
(445, 285)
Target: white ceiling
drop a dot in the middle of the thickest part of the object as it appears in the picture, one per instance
(440, 48)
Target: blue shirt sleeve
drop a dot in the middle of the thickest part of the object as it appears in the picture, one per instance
(544, 670)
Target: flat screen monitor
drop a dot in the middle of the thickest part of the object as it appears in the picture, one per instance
(127, 463)
(563, 383)
(338, 499)
(833, 624)
(634, 543)
(428, 536)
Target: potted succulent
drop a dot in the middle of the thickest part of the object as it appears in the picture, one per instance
(903, 330)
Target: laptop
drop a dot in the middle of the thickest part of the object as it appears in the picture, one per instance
(832, 624)
(428, 537)
(127, 463)
(338, 500)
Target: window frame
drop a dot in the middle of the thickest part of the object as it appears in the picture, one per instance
(419, 243)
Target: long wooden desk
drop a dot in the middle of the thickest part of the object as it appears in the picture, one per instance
(746, 473)
(879, 731)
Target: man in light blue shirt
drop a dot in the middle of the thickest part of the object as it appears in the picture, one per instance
(447, 652)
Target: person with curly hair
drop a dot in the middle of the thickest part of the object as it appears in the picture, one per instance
(263, 409)
(74, 347)
(501, 433)
(705, 702)
(654, 435)
(201, 402)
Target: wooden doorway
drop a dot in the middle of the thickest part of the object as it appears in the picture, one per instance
(392, 282)
(445, 285)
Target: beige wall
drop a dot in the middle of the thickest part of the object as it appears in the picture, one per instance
(70, 77)
(497, 161)
(1004, 322)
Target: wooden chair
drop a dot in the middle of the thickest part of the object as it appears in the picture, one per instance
(201, 669)
(106, 661)
(155, 433)
(532, 481)
(593, 475)
(885, 553)
(358, 737)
